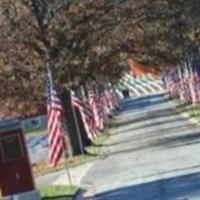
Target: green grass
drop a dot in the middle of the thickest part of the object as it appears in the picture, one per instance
(58, 192)
(195, 111)
(101, 139)
(192, 110)
(96, 148)
(93, 152)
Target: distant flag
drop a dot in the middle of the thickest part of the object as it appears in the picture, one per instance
(55, 114)
(106, 105)
(115, 99)
(112, 99)
(96, 105)
(181, 88)
(187, 95)
(174, 86)
(193, 82)
(76, 102)
(90, 117)
(101, 111)
(197, 85)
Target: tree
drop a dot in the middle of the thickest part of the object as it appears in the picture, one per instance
(168, 31)
(37, 32)
(86, 39)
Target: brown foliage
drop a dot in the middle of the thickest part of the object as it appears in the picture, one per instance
(81, 39)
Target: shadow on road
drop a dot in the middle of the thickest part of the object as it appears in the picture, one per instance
(143, 119)
(142, 102)
(179, 188)
(158, 131)
(150, 134)
(156, 144)
(158, 113)
(165, 120)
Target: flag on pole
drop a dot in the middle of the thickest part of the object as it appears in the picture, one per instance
(106, 105)
(114, 98)
(95, 104)
(55, 115)
(193, 82)
(87, 116)
(90, 117)
(197, 85)
(101, 111)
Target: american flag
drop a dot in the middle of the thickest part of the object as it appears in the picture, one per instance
(186, 93)
(169, 82)
(96, 105)
(86, 114)
(174, 80)
(197, 85)
(106, 105)
(114, 99)
(90, 117)
(183, 90)
(193, 82)
(55, 114)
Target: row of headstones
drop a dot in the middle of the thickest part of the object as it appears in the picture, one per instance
(140, 86)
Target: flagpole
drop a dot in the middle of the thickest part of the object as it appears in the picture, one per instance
(76, 121)
(66, 167)
(64, 157)
(78, 130)
(56, 119)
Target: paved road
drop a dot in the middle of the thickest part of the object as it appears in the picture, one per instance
(153, 154)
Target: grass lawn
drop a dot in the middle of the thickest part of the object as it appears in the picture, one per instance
(58, 192)
(195, 111)
(95, 149)
(192, 110)
(94, 152)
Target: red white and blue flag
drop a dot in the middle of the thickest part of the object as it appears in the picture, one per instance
(90, 117)
(55, 115)
(87, 116)
(96, 106)
(106, 105)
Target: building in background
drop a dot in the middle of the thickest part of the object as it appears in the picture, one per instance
(138, 70)
(34, 123)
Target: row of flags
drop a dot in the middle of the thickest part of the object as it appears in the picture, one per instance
(184, 82)
(94, 109)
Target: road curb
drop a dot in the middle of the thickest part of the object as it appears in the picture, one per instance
(79, 195)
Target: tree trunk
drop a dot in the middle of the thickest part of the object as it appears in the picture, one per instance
(71, 125)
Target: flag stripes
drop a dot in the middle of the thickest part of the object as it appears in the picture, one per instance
(94, 110)
(184, 82)
(85, 114)
(95, 104)
(98, 107)
(55, 114)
